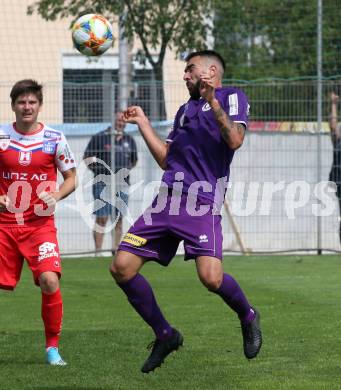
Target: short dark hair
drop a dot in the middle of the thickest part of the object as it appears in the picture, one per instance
(27, 86)
(207, 53)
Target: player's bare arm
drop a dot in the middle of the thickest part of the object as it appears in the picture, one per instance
(65, 189)
(4, 202)
(157, 147)
(232, 132)
(68, 185)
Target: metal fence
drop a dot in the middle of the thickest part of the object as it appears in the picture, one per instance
(276, 201)
(272, 201)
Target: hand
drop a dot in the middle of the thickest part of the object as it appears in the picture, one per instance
(207, 89)
(134, 114)
(4, 203)
(49, 198)
(334, 98)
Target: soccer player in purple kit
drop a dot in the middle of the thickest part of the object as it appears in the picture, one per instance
(196, 158)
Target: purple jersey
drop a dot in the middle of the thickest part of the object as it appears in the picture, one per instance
(197, 148)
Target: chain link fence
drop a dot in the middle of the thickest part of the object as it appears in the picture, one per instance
(277, 197)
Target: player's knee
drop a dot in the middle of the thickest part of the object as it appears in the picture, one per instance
(211, 281)
(101, 221)
(121, 270)
(114, 270)
(49, 282)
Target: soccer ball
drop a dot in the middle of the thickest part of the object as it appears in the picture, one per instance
(92, 35)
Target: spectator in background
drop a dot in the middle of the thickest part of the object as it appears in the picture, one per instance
(100, 146)
(335, 133)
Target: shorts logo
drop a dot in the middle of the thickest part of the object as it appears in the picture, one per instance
(4, 142)
(134, 240)
(46, 250)
(203, 238)
(206, 107)
(25, 158)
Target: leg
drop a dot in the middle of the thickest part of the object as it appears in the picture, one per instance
(40, 248)
(117, 235)
(11, 260)
(118, 232)
(52, 315)
(124, 270)
(210, 272)
(122, 206)
(100, 190)
(99, 235)
(141, 242)
(52, 307)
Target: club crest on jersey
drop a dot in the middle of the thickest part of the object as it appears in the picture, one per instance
(25, 157)
(206, 107)
(4, 142)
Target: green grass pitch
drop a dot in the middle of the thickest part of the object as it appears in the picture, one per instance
(104, 340)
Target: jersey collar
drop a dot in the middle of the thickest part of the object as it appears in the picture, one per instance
(40, 128)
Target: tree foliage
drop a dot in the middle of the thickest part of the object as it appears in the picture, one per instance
(266, 38)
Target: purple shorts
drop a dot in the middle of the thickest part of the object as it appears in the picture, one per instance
(157, 236)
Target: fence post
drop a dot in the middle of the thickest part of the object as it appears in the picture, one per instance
(319, 113)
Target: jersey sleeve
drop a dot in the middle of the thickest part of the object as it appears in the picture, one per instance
(237, 107)
(170, 135)
(177, 122)
(64, 157)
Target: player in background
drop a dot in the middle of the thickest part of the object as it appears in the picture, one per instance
(196, 159)
(30, 154)
(335, 133)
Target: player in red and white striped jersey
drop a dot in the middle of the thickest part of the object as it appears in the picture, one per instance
(30, 155)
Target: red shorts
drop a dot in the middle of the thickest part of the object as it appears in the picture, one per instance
(38, 245)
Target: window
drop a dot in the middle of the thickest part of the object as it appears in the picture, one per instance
(88, 94)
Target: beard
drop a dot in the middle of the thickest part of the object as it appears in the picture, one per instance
(194, 90)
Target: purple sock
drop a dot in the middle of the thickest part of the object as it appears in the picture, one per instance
(233, 295)
(141, 297)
